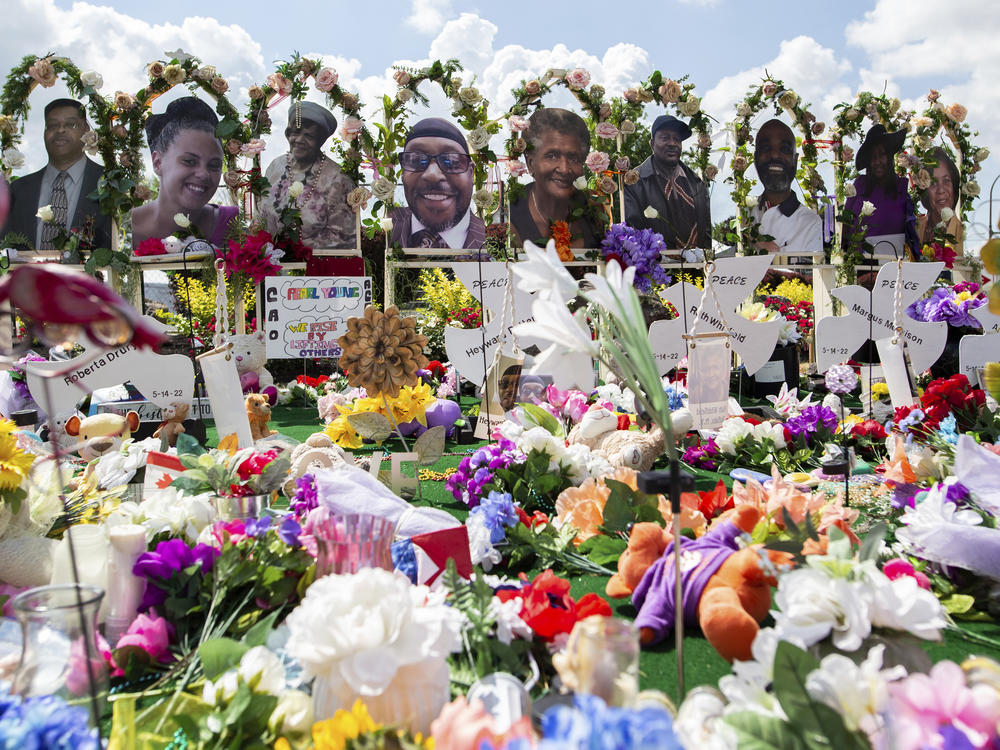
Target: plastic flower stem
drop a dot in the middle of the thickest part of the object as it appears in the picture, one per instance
(970, 636)
(406, 447)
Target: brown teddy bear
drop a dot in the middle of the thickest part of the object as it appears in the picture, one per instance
(259, 414)
(727, 590)
(172, 424)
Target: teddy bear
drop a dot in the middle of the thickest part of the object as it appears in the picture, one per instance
(727, 590)
(317, 452)
(101, 433)
(173, 423)
(635, 449)
(259, 414)
(249, 354)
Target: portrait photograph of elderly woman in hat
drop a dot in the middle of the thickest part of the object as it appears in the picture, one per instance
(437, 178)
(671, 188)
(940, 198)
(558, 144)
(327, 219)
(893, 219)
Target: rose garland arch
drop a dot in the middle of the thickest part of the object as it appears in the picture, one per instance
(112, 137)
(611, 122)
(771, 92)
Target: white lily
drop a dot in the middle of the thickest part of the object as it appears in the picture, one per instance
(610, 289)
(554, 322)
(543, 273)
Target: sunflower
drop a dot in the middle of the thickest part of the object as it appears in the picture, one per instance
(382, 351)
(14, 462)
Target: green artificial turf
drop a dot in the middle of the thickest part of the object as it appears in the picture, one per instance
(702, 665)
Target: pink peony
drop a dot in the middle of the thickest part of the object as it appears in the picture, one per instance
(898, 568)
(577, 79)
(575, 406)
(606, 130)
(516, 167)
(326, 79)
(597, 161)
(279, 83)
(253, 147)
(151, 634)
(517, 123)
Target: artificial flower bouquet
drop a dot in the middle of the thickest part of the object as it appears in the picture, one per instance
(227, 473)
(951, 304)
(639, 249)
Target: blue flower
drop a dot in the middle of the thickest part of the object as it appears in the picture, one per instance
(675, 397)
(257, 526)
(591, 725)
(289, 531)
(498, 512)
(947, 430)
(46, 723)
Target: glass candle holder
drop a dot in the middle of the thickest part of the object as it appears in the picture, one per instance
(602, 659)
(348, 543)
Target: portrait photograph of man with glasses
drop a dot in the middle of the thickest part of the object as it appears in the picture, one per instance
(437, 184)
(64, 184)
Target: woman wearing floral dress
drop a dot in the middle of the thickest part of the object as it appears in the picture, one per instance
(327, 219)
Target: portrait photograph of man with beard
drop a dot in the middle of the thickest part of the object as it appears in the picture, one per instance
(795, 228)
(437, 184)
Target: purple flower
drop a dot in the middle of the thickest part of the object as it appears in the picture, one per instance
(944, 305)
(169, 557)
(476, 470)
(702, 456)
(304, 498)
(840, 379)
(638, 248)
(810, 420)
(257, 526)
(905, 495)
(289, 531)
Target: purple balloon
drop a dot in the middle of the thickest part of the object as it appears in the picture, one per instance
(443, 412)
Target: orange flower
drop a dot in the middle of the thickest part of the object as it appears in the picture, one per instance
(583, 507)
(560, 234)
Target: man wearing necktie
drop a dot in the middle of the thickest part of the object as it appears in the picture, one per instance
(64, 185)
(672, 189)
(437, 183)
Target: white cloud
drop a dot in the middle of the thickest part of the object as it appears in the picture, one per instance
(428, 16)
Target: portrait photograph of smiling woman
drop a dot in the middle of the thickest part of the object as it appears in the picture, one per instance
(437, 184)
(64, 184)
(187, 159)
(327, 220)
(558, 144)
(939, 199)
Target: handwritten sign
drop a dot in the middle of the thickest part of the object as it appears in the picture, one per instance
(666, 337)
(734, 280)
(161, 378)
(870, 317)
(305, 315)
(471, 350)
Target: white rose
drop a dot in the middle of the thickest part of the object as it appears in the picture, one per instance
(293, 714)
(262, 671)
(810, 605)
(971, 188)
(478, 139)
(295, 189)
(92, 78)
(580, 183)
(867, 208)
(750, 201)
(482, 198)
(743, 109)
(182, 221)
(900, 604)
(946, 215)
(386, 224)
(45, 214)
(650, 212)
(852, 113)
(982, 154)
(221, 691)
(383, 189)
(849, 190)
(13, 159)
(404, 95)
(690, 106)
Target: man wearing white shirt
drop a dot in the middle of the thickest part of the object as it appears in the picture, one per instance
(64, 184)
(794, 227)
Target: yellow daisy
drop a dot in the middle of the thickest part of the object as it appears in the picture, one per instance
(14, 462)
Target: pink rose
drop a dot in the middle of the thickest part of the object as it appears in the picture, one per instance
(219, 85)
(607, 185)
(575, 406)
(622, 163)
(401, 77)
(556, 397)
(957, 112)
(462, 725)
(252, 147)
(631, 95)
(670, 91)
(517, 123)
(326, 79)
(769, 89)
(597, 161)
(933, 95)
(43, 72)
(532, 87)
(279, 83)
(577, 79)
(606, 130)
(151, 634)
(516, 167)
(704, 140)
(351, 128)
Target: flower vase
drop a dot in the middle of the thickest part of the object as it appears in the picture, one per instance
(60, 655)
(348, 543)
(242, 508)
(947, 364)
(781, 368)
(412, 700)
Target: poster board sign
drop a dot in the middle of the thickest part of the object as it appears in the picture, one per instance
(709, 365)
(161, 378)
(305, 315)
(734, 280)
(870, 316)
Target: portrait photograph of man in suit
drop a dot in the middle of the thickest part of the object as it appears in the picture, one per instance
(437, 183)
(64, 184)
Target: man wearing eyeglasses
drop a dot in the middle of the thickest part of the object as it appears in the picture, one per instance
(437, 183)
(65, 184)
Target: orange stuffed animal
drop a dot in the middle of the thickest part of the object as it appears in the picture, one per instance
(726, 590)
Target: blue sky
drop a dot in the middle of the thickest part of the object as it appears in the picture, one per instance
(825, 51)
